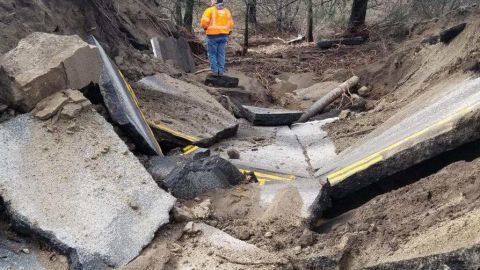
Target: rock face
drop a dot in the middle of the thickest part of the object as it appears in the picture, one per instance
(43, 64)
(76, 186)
(183, 113)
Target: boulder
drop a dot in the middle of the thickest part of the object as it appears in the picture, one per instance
(43, 64)
(76, 186)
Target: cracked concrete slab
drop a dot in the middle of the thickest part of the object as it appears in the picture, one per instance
(283, 157)
(318, 148)
(75, 185)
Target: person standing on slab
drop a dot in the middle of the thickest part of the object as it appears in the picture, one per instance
(218, 24)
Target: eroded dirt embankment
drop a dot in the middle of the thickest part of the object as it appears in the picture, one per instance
(413, 69)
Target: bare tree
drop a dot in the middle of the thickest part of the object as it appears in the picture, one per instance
(252, 11)
(309, 34)
(188, 17)
(178, 12)
(358, 14)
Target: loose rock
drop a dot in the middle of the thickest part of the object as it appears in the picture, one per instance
(50, 106)
(233, 154)
(71, 110)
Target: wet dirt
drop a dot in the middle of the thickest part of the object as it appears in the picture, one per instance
(433, 215)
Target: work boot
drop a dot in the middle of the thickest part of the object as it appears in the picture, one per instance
(214, 73)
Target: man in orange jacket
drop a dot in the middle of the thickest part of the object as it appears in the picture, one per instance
(218, 23)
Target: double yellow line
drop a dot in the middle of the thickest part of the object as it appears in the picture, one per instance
(342, 174)
(263, 178)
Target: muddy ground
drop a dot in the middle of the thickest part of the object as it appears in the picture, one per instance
(435, 212)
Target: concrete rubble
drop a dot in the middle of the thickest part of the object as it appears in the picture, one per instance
(170, 104)
(68, 104)
(43, 64)
(75, 185)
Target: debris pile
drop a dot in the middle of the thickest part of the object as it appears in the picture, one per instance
(97, 172)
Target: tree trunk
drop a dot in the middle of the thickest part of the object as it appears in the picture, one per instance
(358, 15)
(188, 18)
(178, 12)
(309, 34)
(246, 33)
(252, 12)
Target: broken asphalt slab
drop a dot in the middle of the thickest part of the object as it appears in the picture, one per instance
(221, 81)
(76, 186)
(43, 64)
(177, 50)
(122, 105)
(21, 254)
(270, 117)
(182, 114)
(432, 124)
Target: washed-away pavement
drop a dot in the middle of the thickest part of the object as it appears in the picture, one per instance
(282, 157)
(76, 185)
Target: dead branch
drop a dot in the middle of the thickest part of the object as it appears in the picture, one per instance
(322, 103)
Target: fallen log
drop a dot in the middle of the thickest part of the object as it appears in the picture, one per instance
(296, 40)
(322, 103)
(451, 33)
(327, 44)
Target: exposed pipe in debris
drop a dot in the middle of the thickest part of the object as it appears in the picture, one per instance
(322, 103)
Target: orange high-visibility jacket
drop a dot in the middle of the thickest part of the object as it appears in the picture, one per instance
(217, 21)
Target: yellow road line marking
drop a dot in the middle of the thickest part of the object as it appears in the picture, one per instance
(365, 163)
(189, 149)
(337, 179)
(159, 125)
(174, 132)
(263, 178)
